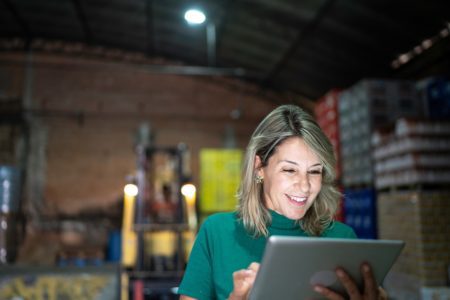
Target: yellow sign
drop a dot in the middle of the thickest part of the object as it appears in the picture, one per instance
(220, 173)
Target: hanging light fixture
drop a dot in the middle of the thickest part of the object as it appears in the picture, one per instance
(194, 16)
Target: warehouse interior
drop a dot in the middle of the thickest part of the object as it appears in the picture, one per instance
(96, 96)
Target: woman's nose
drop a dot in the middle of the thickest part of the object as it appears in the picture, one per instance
(303, 183)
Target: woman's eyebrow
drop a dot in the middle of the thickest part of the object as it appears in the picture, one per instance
(316, 165)
(294, 163)
(289, 161)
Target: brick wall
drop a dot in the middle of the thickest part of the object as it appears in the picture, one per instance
(90, 111)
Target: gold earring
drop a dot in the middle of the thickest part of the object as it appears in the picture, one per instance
(259, 179)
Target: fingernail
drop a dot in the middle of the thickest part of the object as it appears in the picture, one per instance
(318, 289)
(340, 273)
(366, 268)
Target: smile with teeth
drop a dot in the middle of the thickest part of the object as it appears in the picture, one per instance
(297, 199)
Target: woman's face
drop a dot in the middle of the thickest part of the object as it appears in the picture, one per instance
(292, 178)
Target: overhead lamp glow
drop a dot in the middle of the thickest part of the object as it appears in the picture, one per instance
(404, 58)
(444, 32)
(131, 190)
(188, 190)
(427, 43)
(418, 49)
(422, 47)
(194, 16)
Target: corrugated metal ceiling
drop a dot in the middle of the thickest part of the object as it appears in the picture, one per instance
(301, 47)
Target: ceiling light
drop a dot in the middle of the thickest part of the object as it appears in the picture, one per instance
(194, 16)
(404, 58)
(418, 49)
(427, 43)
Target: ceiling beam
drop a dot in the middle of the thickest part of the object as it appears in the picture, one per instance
(386, 24)
(21, 21)
(149, 68)
(274, 15)
(220, 27)
(83, 21)
(150, 34)
(433, 62)
(302, 34)
(326, 62)
(350, 35)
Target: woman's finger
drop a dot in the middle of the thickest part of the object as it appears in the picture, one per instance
(327, 293)
(382, 294)
(243, 281)
(241, 276)
(349, 284)
(253, 266)
(370, 284)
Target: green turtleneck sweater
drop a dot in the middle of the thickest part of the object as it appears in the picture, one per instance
(223, 246)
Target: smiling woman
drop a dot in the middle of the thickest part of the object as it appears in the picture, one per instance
(292, 178)
(287, 189)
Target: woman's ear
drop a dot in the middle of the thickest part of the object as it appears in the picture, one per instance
(258, 165)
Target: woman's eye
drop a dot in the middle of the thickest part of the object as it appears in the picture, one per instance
(315, 172)
(289, 170)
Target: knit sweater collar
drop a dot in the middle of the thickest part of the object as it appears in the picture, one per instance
(281, 222)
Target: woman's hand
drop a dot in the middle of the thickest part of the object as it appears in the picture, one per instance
(243, 282)
(371, 290)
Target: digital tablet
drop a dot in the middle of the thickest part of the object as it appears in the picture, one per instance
(291, 266)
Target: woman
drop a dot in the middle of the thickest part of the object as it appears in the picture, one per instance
(286, 189)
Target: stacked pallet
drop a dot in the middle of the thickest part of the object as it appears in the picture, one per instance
(327, 116)
(360, 212)
(412, 167)
(421, 219)
(435, 95)
(418, 152)
(362, 108)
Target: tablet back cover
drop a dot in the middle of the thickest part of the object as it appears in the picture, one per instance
(292, 265)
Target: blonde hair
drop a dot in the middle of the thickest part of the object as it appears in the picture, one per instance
(283, 122)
